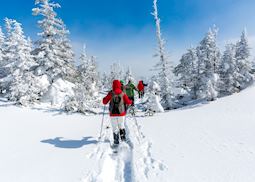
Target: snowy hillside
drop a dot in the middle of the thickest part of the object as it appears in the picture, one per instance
(206, 143)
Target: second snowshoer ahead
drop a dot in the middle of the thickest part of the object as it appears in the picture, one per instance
(118, 99)
(130, 91)
(122, 86)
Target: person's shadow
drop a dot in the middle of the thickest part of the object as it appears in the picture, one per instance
(61, 143)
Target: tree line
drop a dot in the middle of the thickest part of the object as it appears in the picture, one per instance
(32, 70)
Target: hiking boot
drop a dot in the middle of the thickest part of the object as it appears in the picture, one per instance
(116, 138)
(123, 134)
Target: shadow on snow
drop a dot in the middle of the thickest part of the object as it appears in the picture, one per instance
(59, 142)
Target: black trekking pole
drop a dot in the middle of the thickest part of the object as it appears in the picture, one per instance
(137, 127)
(102, 124)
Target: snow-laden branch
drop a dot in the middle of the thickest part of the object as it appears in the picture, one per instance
(161, 41)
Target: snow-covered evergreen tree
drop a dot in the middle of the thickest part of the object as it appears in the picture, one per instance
(129, 76)
(208, 61)
(228, 72)
(253, 66)
(10, 47)
(84, 58)
(86, 91)
(88, 72)
(83, 63)
(2, 54)
(187, 72)
(105, 81)
(66, 54)
(243, 61)
(13, 50)
(23, 86)
(89, 75)
(2, 57)
(164, 67)
(2, 41)
(53, 52)
(116, 72)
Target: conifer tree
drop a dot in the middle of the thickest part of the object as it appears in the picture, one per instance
(208, 60)
(53, 53)
(85, 98)
(129, 75)
(2, 41)
(187, 72)
(116, 72)
(165, 75)
(10, 47)
(2, 55)
(228, 72)
(23, 86)
(244, 64)
(88, 72)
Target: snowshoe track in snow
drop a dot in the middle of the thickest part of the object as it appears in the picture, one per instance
(132, 163)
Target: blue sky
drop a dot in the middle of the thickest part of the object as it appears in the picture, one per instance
(123, 30)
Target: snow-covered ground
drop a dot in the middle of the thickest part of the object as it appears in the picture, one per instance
(205, 143)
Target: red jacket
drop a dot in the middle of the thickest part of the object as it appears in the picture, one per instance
(116, 87)
(140, 86)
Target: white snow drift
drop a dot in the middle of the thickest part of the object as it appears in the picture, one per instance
(203, 143)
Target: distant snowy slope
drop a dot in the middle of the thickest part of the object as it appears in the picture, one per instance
(211, 142)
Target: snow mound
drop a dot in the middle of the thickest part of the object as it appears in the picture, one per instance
(43, 82)
(58, 92)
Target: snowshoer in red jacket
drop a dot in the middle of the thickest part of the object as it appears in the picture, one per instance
(140, 87)
(118, 99)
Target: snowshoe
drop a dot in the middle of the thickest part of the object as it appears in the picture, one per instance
(123, 134)
(116, 138)
(115, 148)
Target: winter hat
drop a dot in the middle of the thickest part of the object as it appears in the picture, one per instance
(116, 85)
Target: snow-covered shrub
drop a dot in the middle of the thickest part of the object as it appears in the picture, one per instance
(154, 100)
(81, 101)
